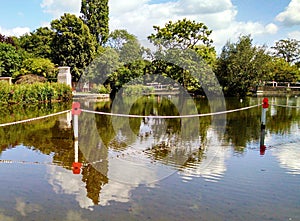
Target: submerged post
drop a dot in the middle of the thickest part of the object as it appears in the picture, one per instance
(265, 106)
(76, 166)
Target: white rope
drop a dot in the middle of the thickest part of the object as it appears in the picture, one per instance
(277, 105)
(32, 119)
(164, 117)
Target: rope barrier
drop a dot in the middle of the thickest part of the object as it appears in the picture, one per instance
(33, 119)
(169, 117)
(287, 106)
(26, 162)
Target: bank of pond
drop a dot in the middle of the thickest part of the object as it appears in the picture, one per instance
(34, 93)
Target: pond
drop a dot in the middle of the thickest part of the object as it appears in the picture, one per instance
(151, 168)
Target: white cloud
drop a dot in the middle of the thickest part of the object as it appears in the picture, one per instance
(17, 31)
(57, 7)
(139, 16)
(291, 15)
(218, 15)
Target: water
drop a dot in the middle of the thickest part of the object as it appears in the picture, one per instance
(208, 168)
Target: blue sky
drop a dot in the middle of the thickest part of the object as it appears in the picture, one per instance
(267, 21)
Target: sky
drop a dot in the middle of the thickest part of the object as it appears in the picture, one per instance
(267, 21)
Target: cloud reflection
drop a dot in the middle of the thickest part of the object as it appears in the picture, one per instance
(65, 182)
(212, 166)
(288, 156)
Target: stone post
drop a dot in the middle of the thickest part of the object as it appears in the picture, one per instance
(64, 76)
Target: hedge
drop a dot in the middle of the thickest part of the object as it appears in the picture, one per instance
(34, 93)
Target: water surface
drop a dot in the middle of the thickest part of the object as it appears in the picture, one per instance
(208, 168)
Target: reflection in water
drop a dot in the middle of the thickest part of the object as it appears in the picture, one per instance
(288, 156)
(65, 182)
(211, 166)
(25, 208)
(5, 218)
(122, 169)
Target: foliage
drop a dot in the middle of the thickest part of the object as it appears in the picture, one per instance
(288, 49)
(241, 66)
(7, 40)
(184, 54)
(38, 42)
(137, 89)
(30, 79)
(126, 45)
(181, 34)
(72, 45)
(282, 71)
(38, 66)
(34, 93)
(10, 60)
(102, 67)
(95, 16)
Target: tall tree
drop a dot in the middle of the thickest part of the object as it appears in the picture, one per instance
(95, 16)
(126, 45)
(72, 45)
(182, 34)
(288, 49)
(38, 42)
(240, 66)
(184, 48)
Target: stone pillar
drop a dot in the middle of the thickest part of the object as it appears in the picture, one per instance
(64, 76)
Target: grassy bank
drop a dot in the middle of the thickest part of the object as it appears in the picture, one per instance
(34, 93)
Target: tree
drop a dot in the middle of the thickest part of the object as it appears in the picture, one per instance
(288, 49)
(183, 49)
(126, 45)
(10, 60)
(38, 42)
(241, 66)
(95, 16)
(72, 45)
(182, 34)
(7, 40)
(282, 71)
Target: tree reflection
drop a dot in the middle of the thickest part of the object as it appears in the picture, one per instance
(180, 143)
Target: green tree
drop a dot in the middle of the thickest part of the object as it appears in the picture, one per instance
(10, 60)
(7, 40)
(181, 35)
(126, 45)
(282, 71)
(288, 49)
(95, 16)
(38, 42)
(73, 45)
(240, 66)
(181, 46)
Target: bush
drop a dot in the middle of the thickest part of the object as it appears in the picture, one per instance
(34, 93)
(137, 89)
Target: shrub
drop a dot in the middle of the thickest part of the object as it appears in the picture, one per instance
(34, 93)
(137, 89)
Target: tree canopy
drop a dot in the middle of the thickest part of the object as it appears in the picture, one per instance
(240, 66)
(95, 16)
(181, 34)
(288, 49)
(72, 45)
